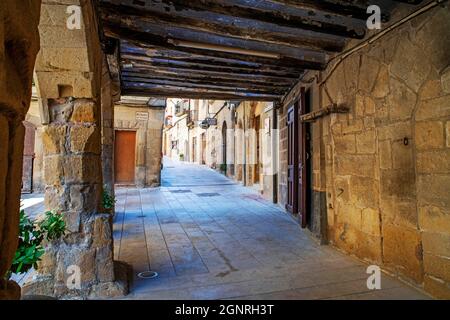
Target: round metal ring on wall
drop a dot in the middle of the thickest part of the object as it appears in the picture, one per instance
(148, 275)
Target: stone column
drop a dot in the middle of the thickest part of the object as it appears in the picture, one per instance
(107, 107)
(73, 178)
(19, 44)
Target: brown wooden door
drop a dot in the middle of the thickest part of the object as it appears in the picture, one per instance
(258, 149)
(125, 158)
(28, 157)
(302, 158)
(194, 149)
(203, 148)
(292, 169)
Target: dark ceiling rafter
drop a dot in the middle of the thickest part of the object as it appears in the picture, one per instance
(204, 84)
(149, 53)
(216, 76)
(229, 49)
(277, 13)
(265, 70)
(225, 25)
(114, 30)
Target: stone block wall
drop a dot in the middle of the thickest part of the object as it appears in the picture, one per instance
(387, 161)
(73, 178)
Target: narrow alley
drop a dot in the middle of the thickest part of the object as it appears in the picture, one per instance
(209, 238)
(233, 149)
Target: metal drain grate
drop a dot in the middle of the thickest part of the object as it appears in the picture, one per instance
(180, 191)
(208, 194)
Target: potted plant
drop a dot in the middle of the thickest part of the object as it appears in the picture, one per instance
(181, 157)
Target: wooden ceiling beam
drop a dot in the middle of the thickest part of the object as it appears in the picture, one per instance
(207, 85)
(205, 70)
(169, 73)
(182, 37)
(280, 14)
(225, 25)
(353, 9)
(152, 51)
(159, 41)
(211, 80)
(272, 12)
(206, 61)
(267, 70)
(189, 94)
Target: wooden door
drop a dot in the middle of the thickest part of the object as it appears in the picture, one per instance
(28, 157)
(203, 148)
(258, 149)
(194, 149)
(292, 168)
(224, 144)
(125, 157)
(302, 158)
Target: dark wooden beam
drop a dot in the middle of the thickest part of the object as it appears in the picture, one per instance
(178, 34)
(113, 63)
(224, 25)
(353, 9)
(206, 61)
(211, 80)
(209, 71)
(152, 51)
(277, 13)
(190, 94)
(213, 74)
(155, 40)
(412, 2)
(265, 70)
(213, 85)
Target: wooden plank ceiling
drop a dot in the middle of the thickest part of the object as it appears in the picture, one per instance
(228, 49)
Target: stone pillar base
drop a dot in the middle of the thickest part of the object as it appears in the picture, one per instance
(44, 285)
(9, 290)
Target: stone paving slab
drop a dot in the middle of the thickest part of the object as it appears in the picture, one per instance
(234, 245)
(231, 245)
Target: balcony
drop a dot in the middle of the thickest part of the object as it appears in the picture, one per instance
(181, 108)
(192, 118)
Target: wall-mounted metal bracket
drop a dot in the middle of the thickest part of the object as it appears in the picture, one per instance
(314, 115)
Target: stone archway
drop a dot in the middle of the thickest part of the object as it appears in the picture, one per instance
(19, 45)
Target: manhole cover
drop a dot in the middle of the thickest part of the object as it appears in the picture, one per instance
(148, 275)
(208, 194)
(180, 191)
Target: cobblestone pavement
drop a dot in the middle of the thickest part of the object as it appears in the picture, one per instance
(209, 238)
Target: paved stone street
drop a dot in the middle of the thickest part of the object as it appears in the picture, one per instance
(209, 238)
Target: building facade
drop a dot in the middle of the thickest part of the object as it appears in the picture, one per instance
(241, 140)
